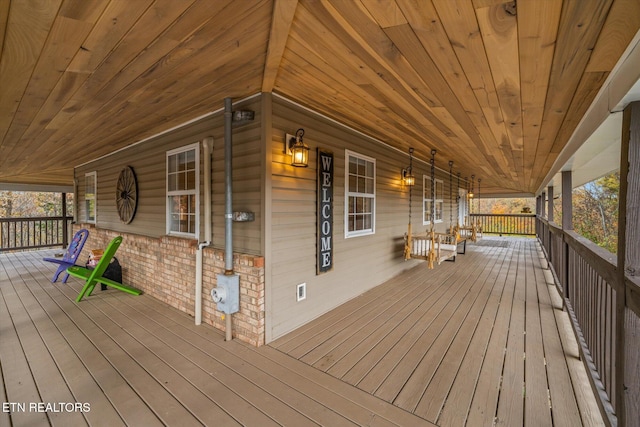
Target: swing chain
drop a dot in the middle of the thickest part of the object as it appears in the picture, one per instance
(433, 188)
(458, 199)
(479, 195)
(450, 193)
(411, 186)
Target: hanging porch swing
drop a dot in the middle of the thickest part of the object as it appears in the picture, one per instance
(471, 230)
(429, 246)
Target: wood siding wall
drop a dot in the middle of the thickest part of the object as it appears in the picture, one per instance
(148, 159)
(360, 263)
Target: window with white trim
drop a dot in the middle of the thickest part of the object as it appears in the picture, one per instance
(360, 190)
(428, 200)
(183, 191)
(90, 196)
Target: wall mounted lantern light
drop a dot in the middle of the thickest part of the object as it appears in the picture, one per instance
(299, 151)
(407, 173)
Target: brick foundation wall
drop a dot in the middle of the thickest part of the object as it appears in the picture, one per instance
(165, 268)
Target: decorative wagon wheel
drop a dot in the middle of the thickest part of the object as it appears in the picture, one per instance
(127, 195)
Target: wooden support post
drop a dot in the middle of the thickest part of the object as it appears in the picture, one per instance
(567, 201)
(538, 217)
(550, 248)
(567, 224)
(65, 228)
(544, 230)
(628, 256)
(550, 203)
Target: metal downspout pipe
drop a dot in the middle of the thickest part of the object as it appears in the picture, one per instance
(228, 194)
(228, 205)
(207, 148)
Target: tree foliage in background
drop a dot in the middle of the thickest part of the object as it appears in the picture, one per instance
(595, 211)
(505, 206)
(21, 204)
(595, 208)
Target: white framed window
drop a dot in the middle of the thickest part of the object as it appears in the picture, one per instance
(183, 191)
(90, 196)
(427, 200)
(360, 195)
(439, 200)
(463, 209)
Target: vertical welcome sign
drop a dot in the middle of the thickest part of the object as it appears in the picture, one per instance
(324, 246)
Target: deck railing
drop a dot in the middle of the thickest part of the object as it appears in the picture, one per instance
(35, 232)
(605, 313)
(516, 224)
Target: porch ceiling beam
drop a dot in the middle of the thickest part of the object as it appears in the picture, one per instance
(41, 188)
(283, 12)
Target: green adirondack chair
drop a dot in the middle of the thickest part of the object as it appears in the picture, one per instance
(93, 277)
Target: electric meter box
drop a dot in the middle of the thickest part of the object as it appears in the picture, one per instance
(227, 294)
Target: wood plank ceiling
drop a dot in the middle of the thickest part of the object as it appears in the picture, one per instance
(496, 86)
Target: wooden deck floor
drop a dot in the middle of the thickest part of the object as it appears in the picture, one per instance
(479, 342)
(128, 360)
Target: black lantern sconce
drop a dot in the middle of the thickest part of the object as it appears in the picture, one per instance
(299, 151)
(407, 173)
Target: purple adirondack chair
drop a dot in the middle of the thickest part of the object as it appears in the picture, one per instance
(70, 257)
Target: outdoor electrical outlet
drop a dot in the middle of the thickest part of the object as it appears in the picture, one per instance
(302, 292)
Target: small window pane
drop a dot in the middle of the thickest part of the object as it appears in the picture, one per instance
(353, 166)
(175, 222)
(370, 169)
(191, 159)
(367, 222)
(173, 164)
(182, 184)
(91, 210)
(191, 180)
(369, 186)
(182, 160)
(368, 205)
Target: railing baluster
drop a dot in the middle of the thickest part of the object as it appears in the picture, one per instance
(591, 286)
(27, 233)
(517, 224)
